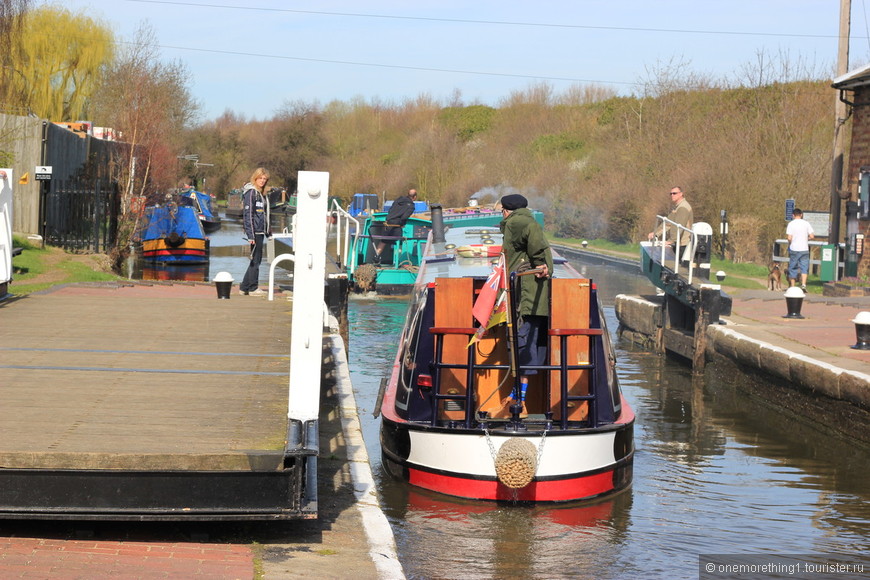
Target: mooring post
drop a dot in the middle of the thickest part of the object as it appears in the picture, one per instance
(659, 337)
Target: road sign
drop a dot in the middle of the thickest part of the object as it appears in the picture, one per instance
(42, 173)
(789, 209)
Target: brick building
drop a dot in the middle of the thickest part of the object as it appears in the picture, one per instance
(854, 88)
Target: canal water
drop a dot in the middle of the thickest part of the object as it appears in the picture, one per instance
(718, 469)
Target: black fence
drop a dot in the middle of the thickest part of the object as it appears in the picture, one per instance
(82, 216)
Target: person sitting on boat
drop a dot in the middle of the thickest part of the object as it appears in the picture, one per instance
(255, 217)
(400, 211)
(525, 248)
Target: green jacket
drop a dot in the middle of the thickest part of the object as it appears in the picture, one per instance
(526, 247)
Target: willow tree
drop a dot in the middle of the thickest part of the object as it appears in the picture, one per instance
(58, 67)
(11, 24)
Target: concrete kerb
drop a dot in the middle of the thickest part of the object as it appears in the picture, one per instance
(808, 373)
(853, 387)
(640, 311)
(382, 545)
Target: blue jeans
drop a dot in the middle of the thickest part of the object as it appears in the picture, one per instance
(798, 263)
(252, 274)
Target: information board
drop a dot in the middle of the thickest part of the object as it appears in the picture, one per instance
(820, 221)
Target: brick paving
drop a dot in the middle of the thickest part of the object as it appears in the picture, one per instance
(826, 333)
(61, 559)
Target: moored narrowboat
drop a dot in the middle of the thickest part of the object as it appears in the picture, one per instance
(174, 234)
(395, 270)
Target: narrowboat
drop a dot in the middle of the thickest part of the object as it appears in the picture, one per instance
(450, 421)
(396, 271)
(206, 210)
(234, 207)
(173, 234)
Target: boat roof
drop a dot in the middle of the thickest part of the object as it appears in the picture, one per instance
(442, 260)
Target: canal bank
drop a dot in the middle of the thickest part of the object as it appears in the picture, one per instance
(814, 352)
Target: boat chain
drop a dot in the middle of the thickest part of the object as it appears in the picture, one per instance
(493, 453)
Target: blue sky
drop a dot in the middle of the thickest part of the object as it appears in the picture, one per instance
(253, 56)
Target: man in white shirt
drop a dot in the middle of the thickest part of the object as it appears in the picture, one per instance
(799, 232)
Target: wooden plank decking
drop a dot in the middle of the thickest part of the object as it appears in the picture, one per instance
(143, 377)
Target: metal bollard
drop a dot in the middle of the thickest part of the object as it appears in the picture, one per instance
(223, 282)
(862, 331)
(794, 299)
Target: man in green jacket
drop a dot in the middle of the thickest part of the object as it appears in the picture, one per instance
(525, 248)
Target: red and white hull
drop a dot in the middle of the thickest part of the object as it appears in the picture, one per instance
(571, 466)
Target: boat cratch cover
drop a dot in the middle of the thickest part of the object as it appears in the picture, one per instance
(174, 234)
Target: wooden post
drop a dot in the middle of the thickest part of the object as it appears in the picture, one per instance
(660, 326)
(707, 314)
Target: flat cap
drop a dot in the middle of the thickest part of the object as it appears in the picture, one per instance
(514, 201)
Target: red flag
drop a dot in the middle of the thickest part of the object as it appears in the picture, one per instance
(489, 308)
(485, 302)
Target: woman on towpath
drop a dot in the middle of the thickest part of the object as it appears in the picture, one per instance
(255, 217)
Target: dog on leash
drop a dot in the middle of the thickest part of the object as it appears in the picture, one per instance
(774, 277)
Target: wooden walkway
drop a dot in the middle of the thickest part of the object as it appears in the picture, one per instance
(138, 377)
(142, 376)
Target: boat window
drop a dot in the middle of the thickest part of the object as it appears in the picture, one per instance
(610, 364)
(408, 347)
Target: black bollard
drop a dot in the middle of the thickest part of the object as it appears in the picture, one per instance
(862, 331)
(794, 299)
(223, 282)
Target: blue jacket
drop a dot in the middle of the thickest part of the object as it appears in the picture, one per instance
(255, 212)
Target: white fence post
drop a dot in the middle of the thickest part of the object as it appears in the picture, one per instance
(306, 336)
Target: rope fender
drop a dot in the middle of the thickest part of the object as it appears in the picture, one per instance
(516, 463)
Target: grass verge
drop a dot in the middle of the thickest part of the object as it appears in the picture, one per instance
(38, 268)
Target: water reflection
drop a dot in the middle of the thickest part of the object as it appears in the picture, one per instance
(718, 470)
(192, 273)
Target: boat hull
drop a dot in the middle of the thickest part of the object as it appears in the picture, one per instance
(210, 224)
(190, 251)
(572, 466)
(447, 421)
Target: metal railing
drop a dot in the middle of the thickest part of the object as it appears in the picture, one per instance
(82, 216)
(682, 253)
(343, 222)
(472, 370)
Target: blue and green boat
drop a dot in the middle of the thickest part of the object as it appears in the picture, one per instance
(401, 257)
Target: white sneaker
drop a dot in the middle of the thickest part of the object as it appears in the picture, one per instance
(257, 292)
